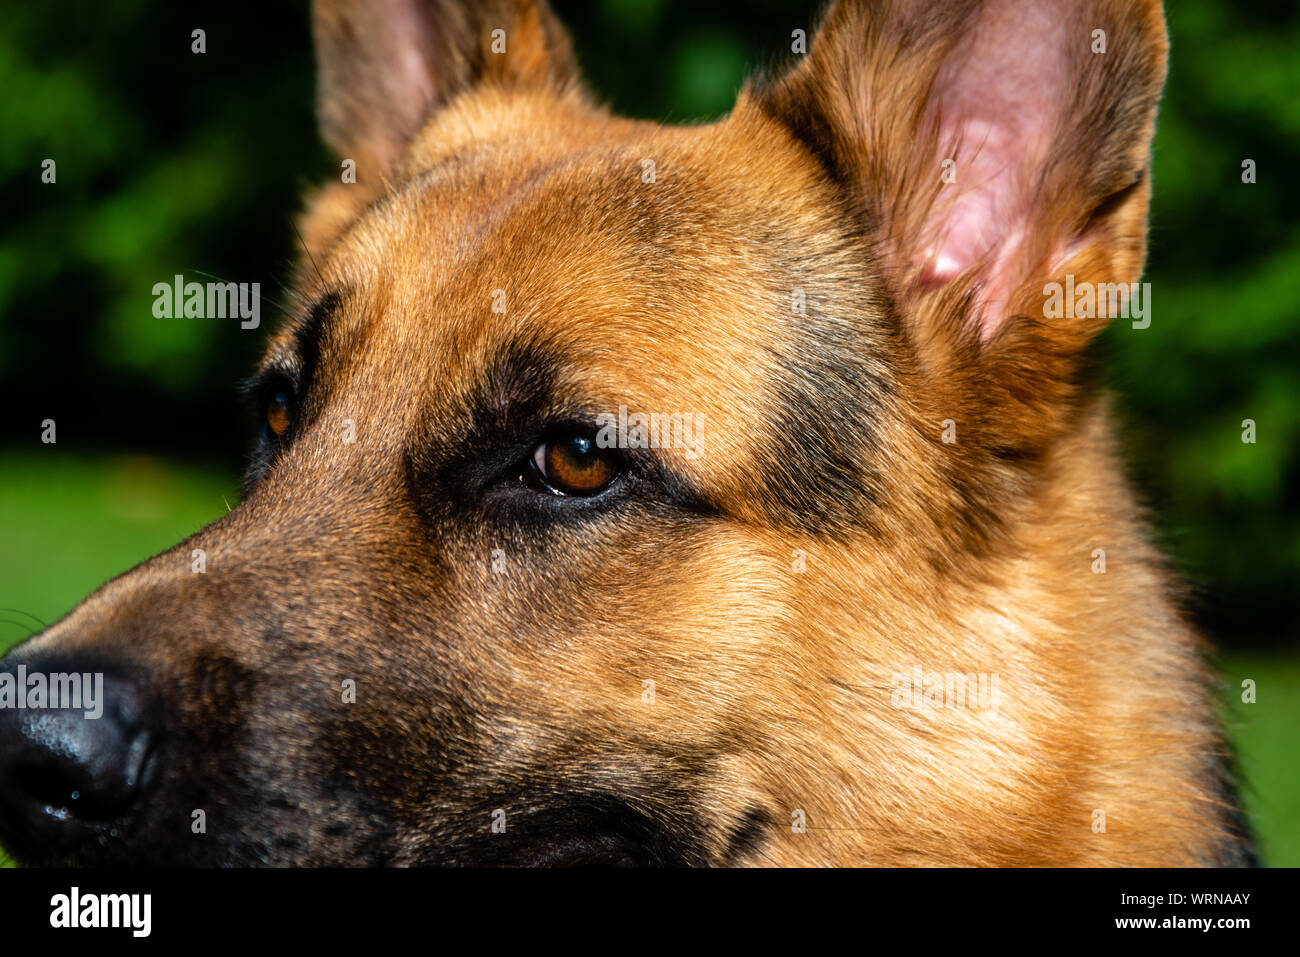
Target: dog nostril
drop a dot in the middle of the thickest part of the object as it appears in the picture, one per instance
(47, 785)
(63, 792)
(63, 767)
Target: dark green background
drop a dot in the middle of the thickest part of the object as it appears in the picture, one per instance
(170, 162)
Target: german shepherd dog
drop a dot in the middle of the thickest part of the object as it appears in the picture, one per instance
(888, 602)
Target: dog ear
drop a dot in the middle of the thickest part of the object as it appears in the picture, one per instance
(384, 66)
(990, 148)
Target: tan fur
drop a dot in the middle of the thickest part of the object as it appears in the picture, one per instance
(773, 686)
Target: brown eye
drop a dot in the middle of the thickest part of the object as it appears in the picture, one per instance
(277, 414)
(575, 465)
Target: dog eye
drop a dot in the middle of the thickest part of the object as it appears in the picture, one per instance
(277, 414)
(575, 465)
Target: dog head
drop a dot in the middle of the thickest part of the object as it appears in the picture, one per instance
(610, 467)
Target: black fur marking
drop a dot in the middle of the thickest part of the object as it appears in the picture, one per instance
(819, 465)
(588, 830)
(746, 838)
(307, 340)
(472, 465)
(294, 374)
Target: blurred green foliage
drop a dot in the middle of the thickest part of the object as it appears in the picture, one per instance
(70, 523)
(1263, 737)
(1224, 342)
(171, 162)
(167, 162)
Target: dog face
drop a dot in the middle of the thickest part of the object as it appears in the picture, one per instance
(467, 613)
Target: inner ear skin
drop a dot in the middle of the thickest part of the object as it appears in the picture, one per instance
(386, 65)
(1041, 132)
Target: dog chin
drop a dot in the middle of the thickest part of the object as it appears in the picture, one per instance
(600, 833)
(585, 832)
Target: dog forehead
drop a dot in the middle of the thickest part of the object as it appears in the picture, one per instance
(523, 211)
(638, 274)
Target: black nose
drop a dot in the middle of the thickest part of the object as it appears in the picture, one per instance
(75, 748)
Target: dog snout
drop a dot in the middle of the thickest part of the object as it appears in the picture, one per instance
(76, 747)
